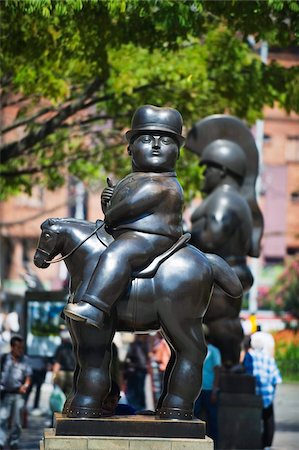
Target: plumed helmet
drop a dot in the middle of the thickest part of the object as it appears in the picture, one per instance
(221, 137)
(227, 154)
(150, 118)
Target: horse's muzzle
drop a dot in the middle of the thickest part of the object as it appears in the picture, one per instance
(39, 261)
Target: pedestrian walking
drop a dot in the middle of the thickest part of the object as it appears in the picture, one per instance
(159, 357)
(208, 399)
(39, 370)
(262, 366)
(14, 383)
(135, 370)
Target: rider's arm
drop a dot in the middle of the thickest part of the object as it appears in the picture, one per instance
(141, 202)
(217, 227)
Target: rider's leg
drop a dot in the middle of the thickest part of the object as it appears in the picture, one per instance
(131, 251)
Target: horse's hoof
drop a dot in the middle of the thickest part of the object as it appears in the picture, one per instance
(84, 312)
(174, 414)
(84, 413)
(65, 410)
(67, 403)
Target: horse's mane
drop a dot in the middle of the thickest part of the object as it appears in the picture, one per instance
(53, 221)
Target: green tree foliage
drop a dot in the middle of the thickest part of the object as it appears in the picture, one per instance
(75, 70)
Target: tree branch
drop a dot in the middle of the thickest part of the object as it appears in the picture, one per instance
(27, 120)
(6, 103)
(44, 167)
(16, 148)
(90, 119)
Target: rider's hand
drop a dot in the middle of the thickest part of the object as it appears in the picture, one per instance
(107, 219)
(107, 195)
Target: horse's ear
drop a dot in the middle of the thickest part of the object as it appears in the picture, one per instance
(51, 222)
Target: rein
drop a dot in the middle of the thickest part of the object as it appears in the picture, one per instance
(74, 249)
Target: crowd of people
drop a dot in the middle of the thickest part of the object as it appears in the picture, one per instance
(144, 361)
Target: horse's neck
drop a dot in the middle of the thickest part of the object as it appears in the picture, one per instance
(69, 239)
(76, 265)
(82, 262)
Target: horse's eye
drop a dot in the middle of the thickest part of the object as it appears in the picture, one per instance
(47, 235)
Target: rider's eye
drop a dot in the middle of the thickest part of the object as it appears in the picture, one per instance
(146, 139)
(166, 140)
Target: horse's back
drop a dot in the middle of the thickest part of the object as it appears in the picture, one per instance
(183, 285)
(186, 265)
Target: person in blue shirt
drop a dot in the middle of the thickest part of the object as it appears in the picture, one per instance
(262, 366)
(14, 383)
(208, 398)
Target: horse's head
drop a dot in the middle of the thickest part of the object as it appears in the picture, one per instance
(47, 247)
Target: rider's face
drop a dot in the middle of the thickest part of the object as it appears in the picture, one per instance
(213, 176)
(154, 153)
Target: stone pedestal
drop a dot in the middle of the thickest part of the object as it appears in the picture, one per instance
(239, 413)
(51, 441)
(125, 433)
(239, 421)
(237, 383)
(129, 426)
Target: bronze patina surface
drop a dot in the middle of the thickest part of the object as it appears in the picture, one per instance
(143, 219)
(228, 222)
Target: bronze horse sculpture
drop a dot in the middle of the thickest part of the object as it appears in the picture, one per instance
(173, 301)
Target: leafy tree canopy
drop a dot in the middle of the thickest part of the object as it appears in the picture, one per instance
(75, 71)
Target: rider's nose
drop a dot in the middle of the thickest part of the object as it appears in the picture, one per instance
(156, 143)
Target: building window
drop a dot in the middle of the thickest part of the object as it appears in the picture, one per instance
(295, 197)
(292, 148)
(267, 138)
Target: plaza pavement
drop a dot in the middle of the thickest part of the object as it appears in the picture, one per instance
(286, 414)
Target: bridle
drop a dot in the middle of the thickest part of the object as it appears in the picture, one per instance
(73, 250)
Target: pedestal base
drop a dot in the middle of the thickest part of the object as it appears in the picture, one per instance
(51, 441)
(129, 426)
(239, 421)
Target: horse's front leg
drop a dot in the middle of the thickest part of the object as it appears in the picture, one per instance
(94, 354)
(70, 396)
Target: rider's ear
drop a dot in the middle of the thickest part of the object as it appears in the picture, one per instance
(129, 150)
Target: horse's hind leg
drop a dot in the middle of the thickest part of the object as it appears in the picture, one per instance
(94, 357)
(184, 383)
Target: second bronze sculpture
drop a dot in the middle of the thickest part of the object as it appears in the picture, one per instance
(228, 222)
(136, 272)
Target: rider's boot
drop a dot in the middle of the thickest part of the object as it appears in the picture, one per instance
(85, 312)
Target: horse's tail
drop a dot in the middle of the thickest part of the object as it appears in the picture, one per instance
(224, 276)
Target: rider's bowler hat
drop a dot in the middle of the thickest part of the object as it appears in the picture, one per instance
(150, 118)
